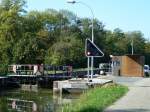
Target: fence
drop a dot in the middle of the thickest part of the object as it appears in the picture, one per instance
(83, 73)
(29, 69)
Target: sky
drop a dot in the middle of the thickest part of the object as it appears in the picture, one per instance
(128, 15)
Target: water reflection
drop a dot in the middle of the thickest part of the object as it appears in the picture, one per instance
(41, 100)
(21, 105)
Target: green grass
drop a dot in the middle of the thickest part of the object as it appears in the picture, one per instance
(97, 99)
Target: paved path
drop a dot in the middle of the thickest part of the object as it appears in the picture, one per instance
(136, 100)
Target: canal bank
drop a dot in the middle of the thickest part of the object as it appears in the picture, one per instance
(78, 85)
(2, 82)
(8, 83)
(28, 99)
(42, 100)
(96, 99)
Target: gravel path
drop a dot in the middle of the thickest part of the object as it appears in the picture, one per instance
(136, 100)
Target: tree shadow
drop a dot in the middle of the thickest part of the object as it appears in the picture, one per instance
(90, 109)
(127, 110)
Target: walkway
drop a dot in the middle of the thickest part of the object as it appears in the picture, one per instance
(136, 100)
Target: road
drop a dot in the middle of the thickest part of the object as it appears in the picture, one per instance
(137, 99)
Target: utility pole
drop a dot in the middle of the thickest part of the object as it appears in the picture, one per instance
(132, 46)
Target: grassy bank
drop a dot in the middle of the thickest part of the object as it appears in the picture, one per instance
(96, 99)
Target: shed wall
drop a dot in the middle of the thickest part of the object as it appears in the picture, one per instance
(132, 66)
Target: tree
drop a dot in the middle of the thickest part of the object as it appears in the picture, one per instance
(58, 37)
(138, 42)
(10, 27)
(26, 50)
(68, 50)
(147, 53)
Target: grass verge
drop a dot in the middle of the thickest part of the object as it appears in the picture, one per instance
(96, 99)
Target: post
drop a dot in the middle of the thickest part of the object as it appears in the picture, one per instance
(92, 58)
(88, 72)
(112, 65)
(132, 46)
(73, 2)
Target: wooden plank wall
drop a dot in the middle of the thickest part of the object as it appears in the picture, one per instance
(132, 65)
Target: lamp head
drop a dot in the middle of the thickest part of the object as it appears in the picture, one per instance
(71, 1)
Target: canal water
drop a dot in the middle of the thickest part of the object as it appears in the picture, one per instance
(40, 100)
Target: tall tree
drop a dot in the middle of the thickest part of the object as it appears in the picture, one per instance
(10, 27)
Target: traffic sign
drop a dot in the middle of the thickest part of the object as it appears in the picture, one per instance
(91, 50)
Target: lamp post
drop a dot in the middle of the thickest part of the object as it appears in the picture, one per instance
(132, 46)
(73, 2)
(112, 66)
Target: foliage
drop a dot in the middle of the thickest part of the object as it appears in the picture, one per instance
(58, 37)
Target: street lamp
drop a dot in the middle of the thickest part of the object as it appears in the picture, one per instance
(73, 2)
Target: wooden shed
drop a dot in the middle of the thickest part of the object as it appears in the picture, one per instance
(128, 65)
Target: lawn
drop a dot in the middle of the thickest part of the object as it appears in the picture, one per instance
(96, 99)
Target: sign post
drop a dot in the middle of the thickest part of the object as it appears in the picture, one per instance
(88, 64)
(91, 50)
